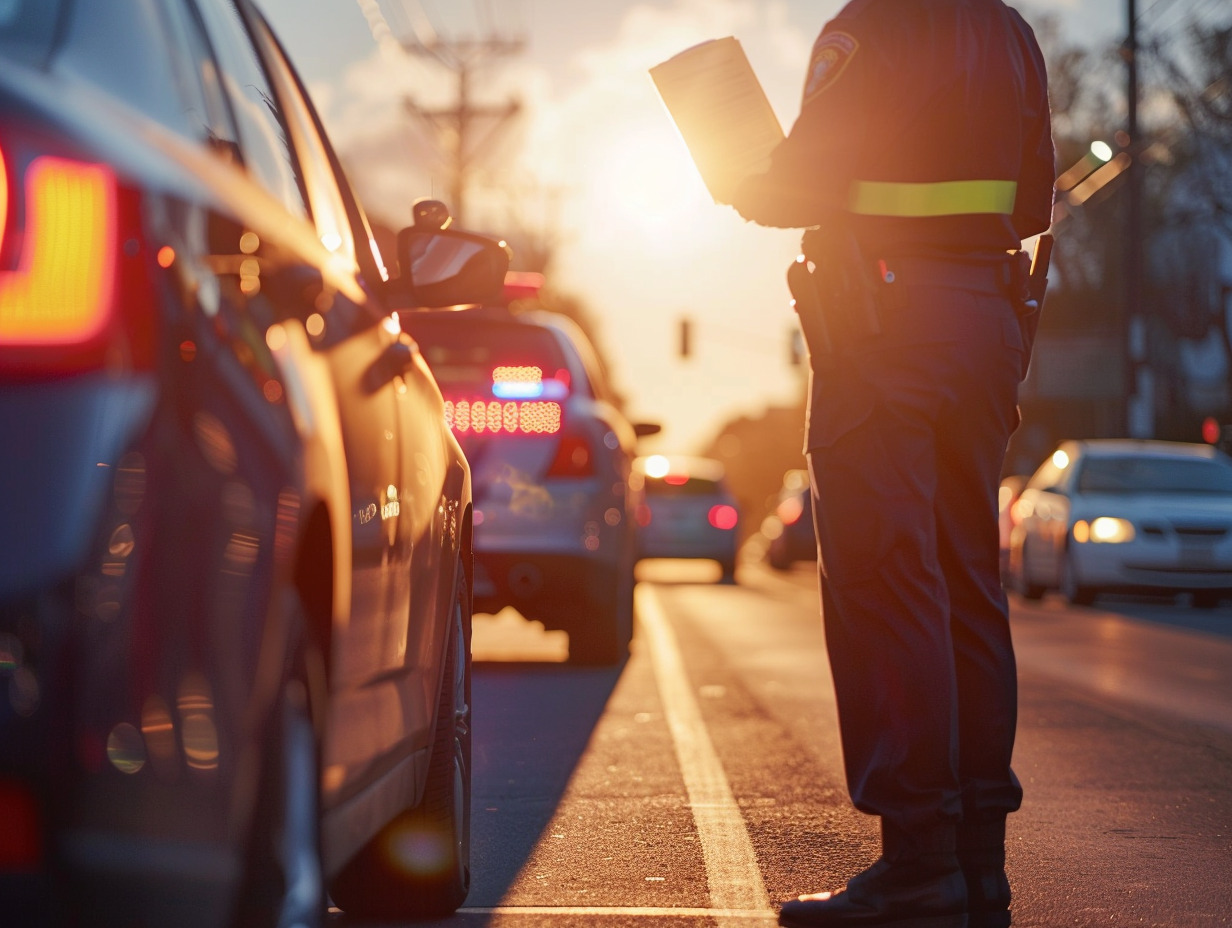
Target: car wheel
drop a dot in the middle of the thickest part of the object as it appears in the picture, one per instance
(419, 865)
(283, 883)
(1026, 587)
(1071, 589)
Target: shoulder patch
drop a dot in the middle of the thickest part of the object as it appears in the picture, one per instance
(832, 52)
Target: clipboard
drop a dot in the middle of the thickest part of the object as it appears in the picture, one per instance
(722, 112)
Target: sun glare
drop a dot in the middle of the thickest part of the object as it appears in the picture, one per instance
(644, 184)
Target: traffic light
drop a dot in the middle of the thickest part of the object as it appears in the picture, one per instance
(686, 337)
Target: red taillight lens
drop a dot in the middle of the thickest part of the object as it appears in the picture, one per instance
(574, 458)
(21, 838)
(502, 417)
(64, 270)
(61, 290)
(723, 516)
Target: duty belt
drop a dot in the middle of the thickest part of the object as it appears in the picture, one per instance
(994, 279)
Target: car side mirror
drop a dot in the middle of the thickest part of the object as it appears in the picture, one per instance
(440, 266)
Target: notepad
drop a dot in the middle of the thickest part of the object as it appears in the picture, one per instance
(721, 110)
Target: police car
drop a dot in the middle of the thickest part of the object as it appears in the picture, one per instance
(551, 458)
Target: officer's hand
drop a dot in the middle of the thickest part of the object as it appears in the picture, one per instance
(746, 195)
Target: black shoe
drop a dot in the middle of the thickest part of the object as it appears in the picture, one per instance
(916, 883)
(988, 897)
(981, 854)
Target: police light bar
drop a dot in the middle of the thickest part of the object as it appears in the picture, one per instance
(526, 383)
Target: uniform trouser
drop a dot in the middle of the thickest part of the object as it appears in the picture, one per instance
(907, 436)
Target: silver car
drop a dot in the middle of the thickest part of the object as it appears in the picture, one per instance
(1127, 515)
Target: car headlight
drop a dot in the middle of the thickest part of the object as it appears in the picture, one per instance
(1104, 530)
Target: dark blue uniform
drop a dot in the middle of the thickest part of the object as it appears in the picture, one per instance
(924, 135)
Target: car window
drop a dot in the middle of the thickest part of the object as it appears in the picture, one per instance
(595, 374)
(320, 183)
(264, 141)
(151, 55)
(28, 28)
(468, 353)
(1154, 475)
(676, 486)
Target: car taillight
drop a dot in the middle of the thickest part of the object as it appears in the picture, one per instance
(502, 417)
(21, 838)
(73, 292)
(574, 458)
(723, 516)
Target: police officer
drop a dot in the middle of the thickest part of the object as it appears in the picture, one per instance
(921, 159)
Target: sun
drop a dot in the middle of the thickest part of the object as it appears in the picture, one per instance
(642, 183)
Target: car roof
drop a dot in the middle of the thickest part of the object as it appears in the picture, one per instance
(1116, 447)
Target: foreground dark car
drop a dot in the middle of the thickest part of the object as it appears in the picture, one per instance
(235, 574)
(552, 455)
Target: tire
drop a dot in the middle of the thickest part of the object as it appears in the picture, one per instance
(599, 636)
(283, 882)
(419, 865)
(1076, 593)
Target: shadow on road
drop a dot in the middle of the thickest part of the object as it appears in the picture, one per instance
(533, 719)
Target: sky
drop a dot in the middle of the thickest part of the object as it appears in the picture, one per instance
(594, 162)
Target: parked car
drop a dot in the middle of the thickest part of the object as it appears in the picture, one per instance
(551, 456)
(689, 512)
(788, 530)
(235, 582)
(1128, 515)
(1007, 495)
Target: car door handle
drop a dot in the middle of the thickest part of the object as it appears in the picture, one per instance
(396, 359)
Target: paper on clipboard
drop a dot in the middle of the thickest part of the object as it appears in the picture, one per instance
(722, 112)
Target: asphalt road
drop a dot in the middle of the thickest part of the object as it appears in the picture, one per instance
(701, 782)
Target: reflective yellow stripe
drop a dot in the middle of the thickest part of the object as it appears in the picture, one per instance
(948, 198)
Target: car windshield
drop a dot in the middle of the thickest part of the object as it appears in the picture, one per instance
(671, 486)
(467, 354)
(1154, 475)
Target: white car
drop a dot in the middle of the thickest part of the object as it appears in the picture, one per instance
(1128, 515)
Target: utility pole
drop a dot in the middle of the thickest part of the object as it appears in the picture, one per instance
(464, 57)
(1139, 406)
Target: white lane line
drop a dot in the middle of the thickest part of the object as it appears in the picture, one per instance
(578, 911)
(731, 864)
